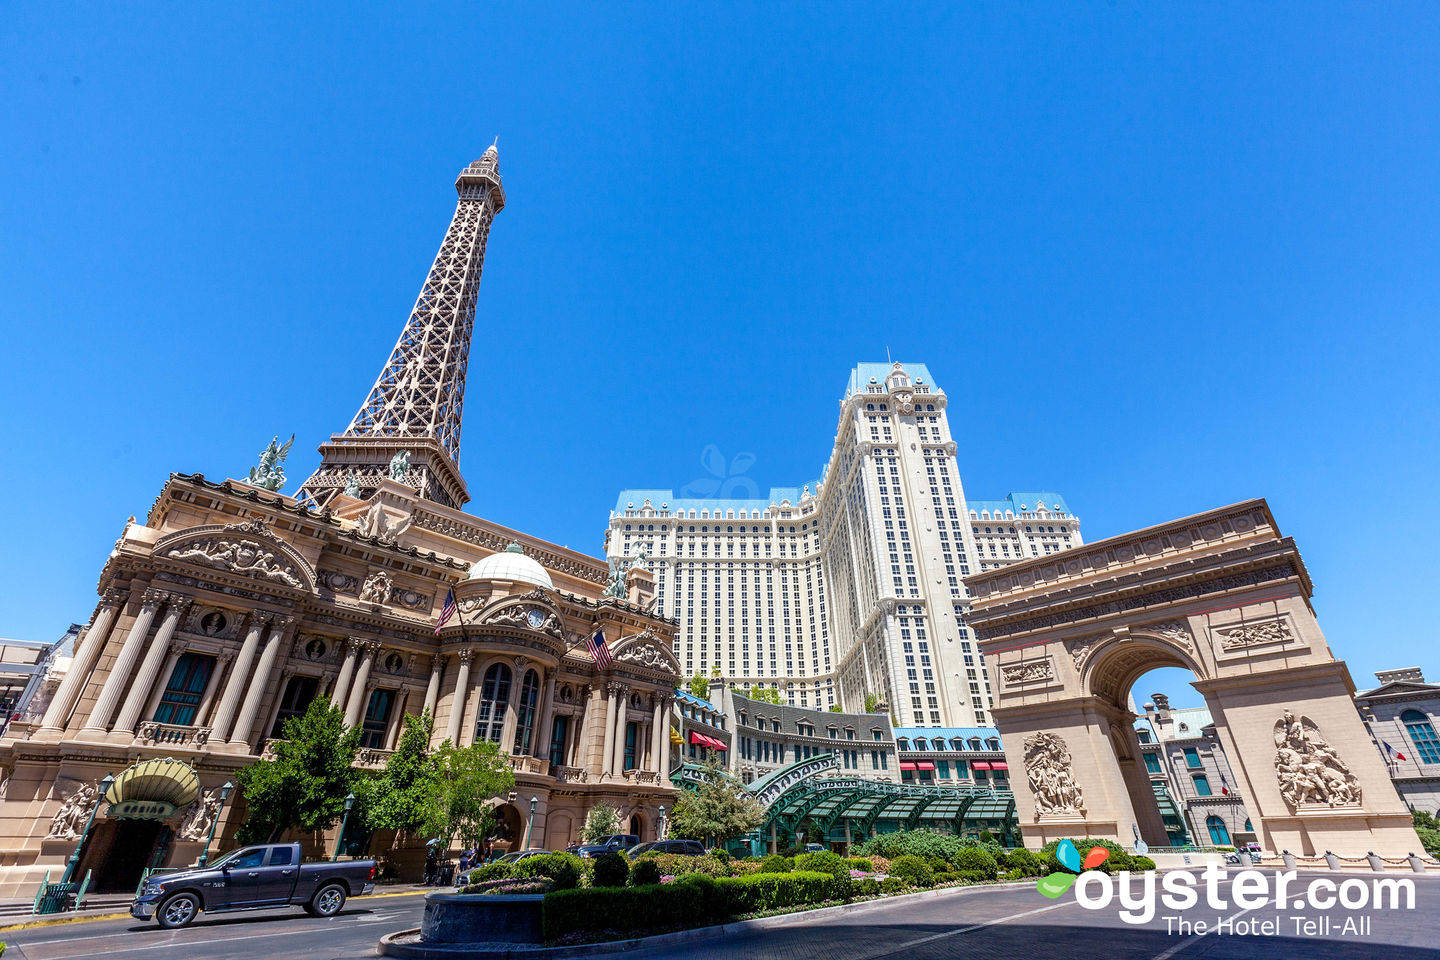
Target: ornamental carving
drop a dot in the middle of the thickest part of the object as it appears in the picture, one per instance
(645, 655)
(375, 522)
(1173, 630)
(1051, 775)
(1079, 650)
(199, 816)
(1309, 771)
(1033, 672)
(1254, 635)
(339, 582)
(239, 555)
(532, 618)
(377, 588)
(413, 599)
(69, 821)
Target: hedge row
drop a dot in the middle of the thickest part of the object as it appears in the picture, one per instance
(691, 901)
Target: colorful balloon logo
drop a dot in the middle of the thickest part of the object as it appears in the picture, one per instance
(1056, 884)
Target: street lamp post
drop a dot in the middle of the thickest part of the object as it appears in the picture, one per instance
(660, 827)
(345, 822)
(530, 824)
(225, 789)
(73, 863)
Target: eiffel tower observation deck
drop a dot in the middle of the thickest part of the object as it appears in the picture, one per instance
(408, 428)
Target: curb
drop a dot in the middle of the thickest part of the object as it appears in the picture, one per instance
(389, 946)
(78, 918)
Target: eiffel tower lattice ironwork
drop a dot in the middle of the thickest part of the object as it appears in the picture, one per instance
(413, 410)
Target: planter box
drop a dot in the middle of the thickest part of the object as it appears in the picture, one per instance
(476, 918)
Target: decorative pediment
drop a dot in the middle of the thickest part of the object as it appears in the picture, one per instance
(533, 611)
(247, 549)
(646, 650)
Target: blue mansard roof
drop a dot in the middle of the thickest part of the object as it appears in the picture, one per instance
(860, 376)
(1018, 502)
(637, 498)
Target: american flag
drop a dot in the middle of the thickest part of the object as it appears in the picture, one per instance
(598, 649)
(447, 611)
(1392, 752)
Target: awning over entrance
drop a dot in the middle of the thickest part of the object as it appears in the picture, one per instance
(701, 740)
(153, 789)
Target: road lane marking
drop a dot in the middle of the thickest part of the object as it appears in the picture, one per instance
(970, 928)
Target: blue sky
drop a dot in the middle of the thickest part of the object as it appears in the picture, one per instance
(1161, 258)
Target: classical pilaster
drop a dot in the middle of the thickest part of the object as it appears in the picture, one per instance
(356, 702)
(87, 651)
(120, 671)
(341, 689)
(607, 755)
(259, 683)
(239, 676)
(432, 692)
(155, 654)
(457, 703)
(659, 727)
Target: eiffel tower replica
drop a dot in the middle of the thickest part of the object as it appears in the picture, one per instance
(413, 410)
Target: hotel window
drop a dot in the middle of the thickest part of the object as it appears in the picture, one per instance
(181, 699)
(377, 719)
(1192, 758)
(494, 698)
(525, 719)
(632, 733)
(298, 694)
(1152, 763)
(1219, 835)
(1422, 734)
(1202, 785)
(558, 732)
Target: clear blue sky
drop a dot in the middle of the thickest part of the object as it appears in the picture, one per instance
(1160, 259)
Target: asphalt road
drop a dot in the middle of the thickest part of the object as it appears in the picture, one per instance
(982, 922)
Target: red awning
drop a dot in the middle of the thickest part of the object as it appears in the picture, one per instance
(720, 745)
(980, 764)
(906, 765)
(999, 765)
(698, 740)
(924, 765)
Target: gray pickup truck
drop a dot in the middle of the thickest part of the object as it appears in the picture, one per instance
(251, 878)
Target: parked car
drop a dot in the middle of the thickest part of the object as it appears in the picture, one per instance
(270, 875)
(615, 843)
(687, 848)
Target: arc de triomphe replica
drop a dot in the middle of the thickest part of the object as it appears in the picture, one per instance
(1225, 596)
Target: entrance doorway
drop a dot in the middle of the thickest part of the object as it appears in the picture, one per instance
(118, 852)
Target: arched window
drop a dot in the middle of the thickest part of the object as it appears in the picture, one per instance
(525, 714)
(494, 698)
(1219, 836)
(1422, 734)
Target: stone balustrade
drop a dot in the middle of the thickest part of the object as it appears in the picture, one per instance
(571, 775)
(371, 758)
(152, 733)
(642, 776)
(523, 764)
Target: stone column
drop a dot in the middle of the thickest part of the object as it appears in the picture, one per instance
(86, 653)
(544, 718)
(432, 692)
(607, 756)
(347, 670)
(159, 649)
(659, 739)
(457, 703)
(621, 719)
(119, 679)
(355, 705)
(239, 675)
(259, 683)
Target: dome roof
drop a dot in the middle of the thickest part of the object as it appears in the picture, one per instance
(511, 564)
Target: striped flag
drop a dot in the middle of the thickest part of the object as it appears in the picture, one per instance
(598, 649)
(1392, 752)
(1224, 786)
(447, 611)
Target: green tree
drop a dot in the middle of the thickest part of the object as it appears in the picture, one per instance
(718, 809)
(835, 708)
(699, 685)
(305, 785)
(470, 777)
(407, 795)
(602, 820)
(764, 695)
(872, 700)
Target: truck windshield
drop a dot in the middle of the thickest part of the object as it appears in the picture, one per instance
(215, 865)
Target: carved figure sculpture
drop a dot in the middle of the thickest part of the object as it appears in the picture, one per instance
(1051, 775)
(375, 523)
(245, 557)
(199, 816)
(269, 473)
(352, 485)
(400, 465)
(376, 588)
(1307, 767)
(69, 820)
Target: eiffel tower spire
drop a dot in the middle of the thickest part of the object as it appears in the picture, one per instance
(414, 407)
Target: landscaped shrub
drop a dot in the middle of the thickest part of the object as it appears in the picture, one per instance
(929, 844)
(644, 872)
(510, 886)
(611, 870)
(943, 877)
(564, 869)
(721, 854)
(867, 887)
(491, 871)
(913, 870)
(823, 861)
(1117, 861)
(861, 863)
(894, 884)
(977, 861)
(1140, 864)
(776, 864)
(1023, 863)
(693, 900)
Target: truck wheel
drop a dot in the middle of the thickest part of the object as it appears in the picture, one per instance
(327, 902)
(178, 911)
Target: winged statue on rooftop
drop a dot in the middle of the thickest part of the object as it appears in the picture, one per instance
(269, 473)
